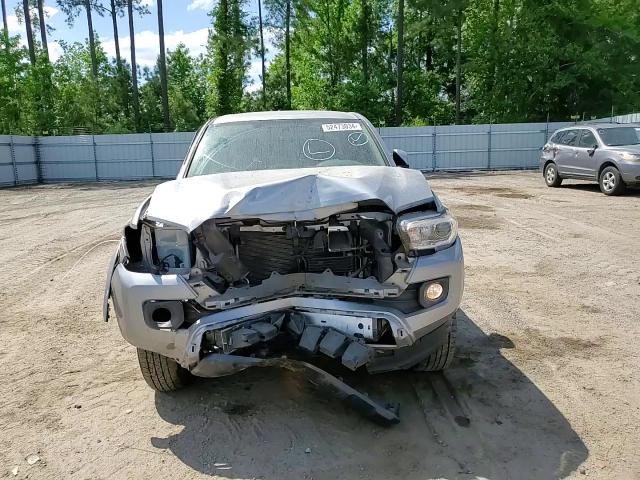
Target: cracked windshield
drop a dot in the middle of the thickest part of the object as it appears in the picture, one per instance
(259, 145)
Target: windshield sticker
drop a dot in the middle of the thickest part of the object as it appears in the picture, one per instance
(318, 150)
(340, 127)
(358, 139)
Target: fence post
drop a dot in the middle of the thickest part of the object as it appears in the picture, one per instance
(433, 150)
(36, 144)
(546, 130)
(489, 149)
(153, 161)
(95, 156)
(12, 150)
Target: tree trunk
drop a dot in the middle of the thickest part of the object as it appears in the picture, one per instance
(458, 66)
(116, 40)
(27, 24)
(400, 62)
(390, 73)
(134, 69)
(365, 41)
(119, 67)
(43, 29)
(287, 50)
(493, 54)
(163, 72)
(429, 48)
(92, 41)
(4, 18)
(264, 79)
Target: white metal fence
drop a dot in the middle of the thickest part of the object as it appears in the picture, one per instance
(25, 160)
(471, 147)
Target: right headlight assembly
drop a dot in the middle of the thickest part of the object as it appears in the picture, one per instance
(422, 231)
(630, 157)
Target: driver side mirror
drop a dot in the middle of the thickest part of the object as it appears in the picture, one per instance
(400, 157)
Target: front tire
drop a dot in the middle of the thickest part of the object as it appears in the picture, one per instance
(161, 373)
(442, 357)
(611, 182)
(551, 176)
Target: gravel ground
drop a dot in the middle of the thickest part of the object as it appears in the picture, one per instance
(545, 383)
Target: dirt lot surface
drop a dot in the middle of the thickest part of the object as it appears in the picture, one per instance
(545, 384)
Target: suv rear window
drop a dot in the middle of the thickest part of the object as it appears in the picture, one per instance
(569, 137)
(556, 137)
(587, 140)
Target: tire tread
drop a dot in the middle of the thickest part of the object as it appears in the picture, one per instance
(442, 357)
(161, 373)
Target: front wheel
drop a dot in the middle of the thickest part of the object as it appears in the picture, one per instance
(161, 373)
(442, 357)
(611, 182)
(551, 177)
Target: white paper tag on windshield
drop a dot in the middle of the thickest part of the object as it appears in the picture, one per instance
(340, 127)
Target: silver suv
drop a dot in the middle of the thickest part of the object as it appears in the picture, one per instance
(607, 153)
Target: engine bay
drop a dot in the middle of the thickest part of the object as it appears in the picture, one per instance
(350, 245)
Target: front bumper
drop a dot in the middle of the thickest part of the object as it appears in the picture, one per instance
(416, 334)
(630, 172)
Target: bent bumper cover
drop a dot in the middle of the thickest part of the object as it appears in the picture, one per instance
(130, 290)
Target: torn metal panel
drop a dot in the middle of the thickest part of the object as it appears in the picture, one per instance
(300, 194)
(280, 285)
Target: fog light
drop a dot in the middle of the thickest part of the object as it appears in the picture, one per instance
(433, 291)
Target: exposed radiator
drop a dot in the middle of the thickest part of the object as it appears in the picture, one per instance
(263, 253)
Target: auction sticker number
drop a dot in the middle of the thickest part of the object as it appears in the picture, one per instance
(340, 127)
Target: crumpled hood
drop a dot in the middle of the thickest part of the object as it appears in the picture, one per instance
(280, 195)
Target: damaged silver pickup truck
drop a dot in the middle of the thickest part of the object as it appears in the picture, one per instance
(286, 236)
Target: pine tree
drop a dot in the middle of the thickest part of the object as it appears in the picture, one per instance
(228, 50)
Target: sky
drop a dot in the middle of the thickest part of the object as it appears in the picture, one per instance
(185, 21)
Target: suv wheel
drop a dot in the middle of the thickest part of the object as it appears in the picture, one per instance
(161, 373)
(551, 177)
(611, 182)
(441, 358)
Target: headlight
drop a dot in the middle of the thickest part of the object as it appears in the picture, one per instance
(427, 232)
(630, 157)
(172, 251)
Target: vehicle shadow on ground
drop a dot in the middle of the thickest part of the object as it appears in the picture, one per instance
(483, 418)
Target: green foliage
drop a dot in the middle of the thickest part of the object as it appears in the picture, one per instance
(228, 52)
(15, 89)
(187, 89)
(520, 60)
